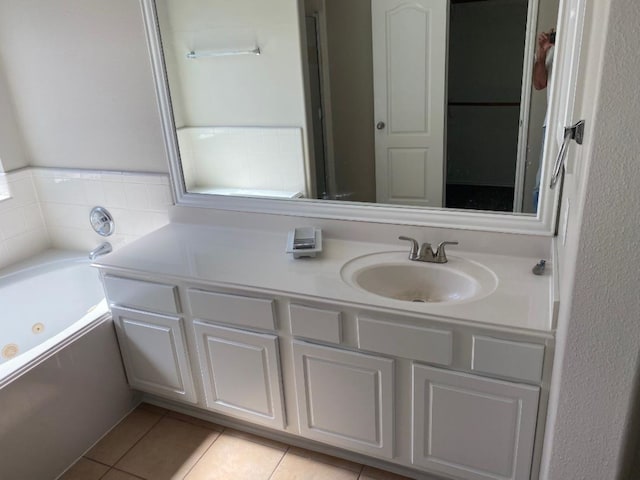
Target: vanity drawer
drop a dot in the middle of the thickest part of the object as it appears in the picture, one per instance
(315, 323)
(232, 309)
(417, 343)
(141, 295)
(507, 359)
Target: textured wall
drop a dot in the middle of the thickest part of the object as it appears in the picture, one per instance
(599, 327)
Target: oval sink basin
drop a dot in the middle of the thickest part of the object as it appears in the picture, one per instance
(392, 275)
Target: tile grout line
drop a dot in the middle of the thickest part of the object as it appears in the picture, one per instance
(161, 416)
(205, 452)
(279, 462)
(360, 472)
(122, 471)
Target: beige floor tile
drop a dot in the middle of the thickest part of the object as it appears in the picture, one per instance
(370, 473)
(153, 408)
(321, 457)
(119, 440)
(256, 439)
(168, 451)
(233, 457)
(295, 467)
(194, 421)
(118, 475)
(85, 469)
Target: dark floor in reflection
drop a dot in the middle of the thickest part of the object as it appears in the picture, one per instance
(475, 197)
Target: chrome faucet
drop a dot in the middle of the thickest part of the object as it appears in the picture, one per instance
(100, 250)
(425, 253)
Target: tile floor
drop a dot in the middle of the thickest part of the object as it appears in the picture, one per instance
(152, 443)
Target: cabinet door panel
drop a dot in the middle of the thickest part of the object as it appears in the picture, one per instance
(345, 398)
(155, 353)
(241, 373)
(473, 427)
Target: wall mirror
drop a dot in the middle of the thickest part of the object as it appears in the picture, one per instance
(394, 110)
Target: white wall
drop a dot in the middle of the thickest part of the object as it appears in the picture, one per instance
(243, 90)
(598, 344)
(12, 149)
(80, 77)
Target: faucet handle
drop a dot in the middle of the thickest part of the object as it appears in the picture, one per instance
(441, 255)
(413, 254)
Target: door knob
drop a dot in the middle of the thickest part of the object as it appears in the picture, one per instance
(380, 125)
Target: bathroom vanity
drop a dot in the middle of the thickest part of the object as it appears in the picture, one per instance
(221, 320)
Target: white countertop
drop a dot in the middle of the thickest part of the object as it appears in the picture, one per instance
(256, 259)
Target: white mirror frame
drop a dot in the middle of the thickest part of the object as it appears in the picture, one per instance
(544, 223)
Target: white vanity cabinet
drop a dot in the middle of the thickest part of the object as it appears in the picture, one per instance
(472, 427)
(154, 353)
(440, 397)
(241, 373)
(345, 398)
(151, 334)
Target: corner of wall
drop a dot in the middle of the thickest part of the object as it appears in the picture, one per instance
(22, 229)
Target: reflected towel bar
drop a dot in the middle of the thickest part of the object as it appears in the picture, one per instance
(192, 54)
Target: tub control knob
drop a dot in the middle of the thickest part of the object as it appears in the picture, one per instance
(102, 221)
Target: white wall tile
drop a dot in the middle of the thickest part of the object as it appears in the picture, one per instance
(50, 207)
(114, 196)
(4, 186)
(33, 217)
(65, 215)
(27, 244)
(22, 228)
(23, 191)
(5, 259)
(138, 202)
(158, 197)
(136, 194)
(13, 223)
(94, 192)
(74, 238)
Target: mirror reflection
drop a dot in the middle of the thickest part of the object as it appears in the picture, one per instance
(407, 102)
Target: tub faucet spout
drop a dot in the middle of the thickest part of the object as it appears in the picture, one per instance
(100, 250)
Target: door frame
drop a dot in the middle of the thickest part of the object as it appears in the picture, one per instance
(322, 46)
(525, 104)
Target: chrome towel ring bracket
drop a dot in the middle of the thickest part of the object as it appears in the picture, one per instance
(574, 132)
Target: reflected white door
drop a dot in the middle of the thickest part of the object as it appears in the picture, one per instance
(409, 70)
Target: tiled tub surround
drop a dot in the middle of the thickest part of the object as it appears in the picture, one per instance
(138, 202)
(48, 207)
(22, 228)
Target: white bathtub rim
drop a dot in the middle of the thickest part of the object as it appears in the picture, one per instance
(47, 261)
(43, 262)
(11, 370)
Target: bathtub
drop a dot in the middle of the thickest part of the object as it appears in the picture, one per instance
(62, 385)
